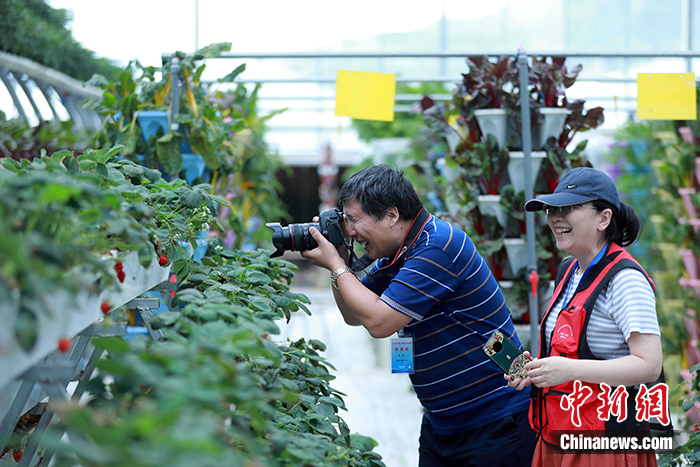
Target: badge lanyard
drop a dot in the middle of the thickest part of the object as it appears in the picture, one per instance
(593, 263)
(402, 359)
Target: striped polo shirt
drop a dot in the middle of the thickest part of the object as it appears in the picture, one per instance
(446, 286)
(627, 305)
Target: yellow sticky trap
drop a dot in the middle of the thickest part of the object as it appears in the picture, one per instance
(666, 96)
(365, 95)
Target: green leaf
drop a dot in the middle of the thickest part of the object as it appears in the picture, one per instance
(324, 409)
(257, 278)
(362, 443)
(261, 303)
(233, 75)
(101, 170)
(212, 50)
(169, 151)
(133, 171)
(317, 345)
(11, 164)
(26, 328)
(71, 164)
(56, 193)
(190, 198)
(162, 320)
(687, 404)
(111, 344)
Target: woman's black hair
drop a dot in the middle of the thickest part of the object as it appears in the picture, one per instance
(379, 188)
(625, 226)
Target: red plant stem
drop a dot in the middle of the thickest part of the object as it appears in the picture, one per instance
(551, 178)
(498, 263)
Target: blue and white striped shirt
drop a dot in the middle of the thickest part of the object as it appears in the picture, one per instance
(446, 286)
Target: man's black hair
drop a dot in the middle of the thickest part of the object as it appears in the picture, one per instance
(378, 188)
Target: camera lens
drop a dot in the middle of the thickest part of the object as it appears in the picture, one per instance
(294, 237)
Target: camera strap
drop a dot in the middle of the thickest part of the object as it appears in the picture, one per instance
(359, 264)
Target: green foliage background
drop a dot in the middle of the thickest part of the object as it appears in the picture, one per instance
(34, 30)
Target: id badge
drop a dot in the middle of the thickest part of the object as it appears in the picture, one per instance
(402, 355)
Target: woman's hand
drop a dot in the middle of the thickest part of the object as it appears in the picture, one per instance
(550, 371)
(520, 383)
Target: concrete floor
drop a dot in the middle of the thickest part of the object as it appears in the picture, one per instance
(380, 404)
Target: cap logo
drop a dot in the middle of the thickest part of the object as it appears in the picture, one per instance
(569, 187)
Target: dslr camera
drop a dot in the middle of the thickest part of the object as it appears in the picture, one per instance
(296, 237)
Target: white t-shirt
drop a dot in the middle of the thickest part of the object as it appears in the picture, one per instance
(627, 305)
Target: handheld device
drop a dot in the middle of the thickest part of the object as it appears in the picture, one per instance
(506, 355)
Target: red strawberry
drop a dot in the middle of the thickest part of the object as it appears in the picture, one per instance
(17, 455)
(64, 345)
(163, 260)
(105, 307)
(121, 275)
(119, 266)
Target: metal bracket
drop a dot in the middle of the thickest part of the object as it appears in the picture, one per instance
(143, 302)
(146, 315)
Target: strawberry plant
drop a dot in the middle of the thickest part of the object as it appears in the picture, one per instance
(222, 125)
(66, 215)
(218, 390)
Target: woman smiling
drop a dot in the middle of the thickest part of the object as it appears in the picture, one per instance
(600, 327)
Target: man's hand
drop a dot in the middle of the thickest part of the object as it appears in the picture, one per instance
(325, 255)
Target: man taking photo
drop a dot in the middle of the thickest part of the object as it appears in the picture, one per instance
(432, 286)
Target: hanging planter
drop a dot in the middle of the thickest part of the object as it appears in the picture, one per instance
(692, 347)
(516, 168)
(686, 134)
(694, 223)
(491, 205)
(493, 122)
(693, 284)
(553, 119)
(687, 202)
(690, 262)
(516, 248)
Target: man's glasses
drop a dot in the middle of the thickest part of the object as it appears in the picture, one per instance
(563, 210)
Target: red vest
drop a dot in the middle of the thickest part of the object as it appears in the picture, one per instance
(568, 339)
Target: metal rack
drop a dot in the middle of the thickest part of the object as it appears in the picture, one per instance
(40, 378)
(522, 58)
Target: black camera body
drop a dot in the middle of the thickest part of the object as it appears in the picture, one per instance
(296, 237)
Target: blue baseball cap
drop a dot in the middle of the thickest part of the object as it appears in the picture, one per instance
(578, 186)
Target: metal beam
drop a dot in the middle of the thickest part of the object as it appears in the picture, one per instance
(5, 78)
(429, 79)
(436, 54)
(47, 75)
(22, 81)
